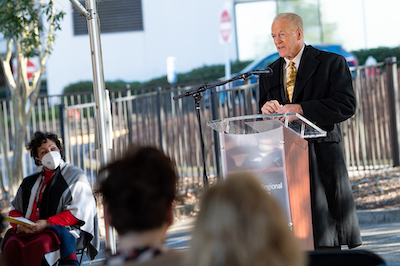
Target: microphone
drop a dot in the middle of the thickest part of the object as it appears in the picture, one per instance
(266, 71)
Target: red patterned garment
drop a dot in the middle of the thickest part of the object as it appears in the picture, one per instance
(38, 247)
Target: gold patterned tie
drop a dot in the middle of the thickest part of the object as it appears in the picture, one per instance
(291, 79)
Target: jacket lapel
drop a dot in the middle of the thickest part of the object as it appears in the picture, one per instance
(305, 70)
(277, 89)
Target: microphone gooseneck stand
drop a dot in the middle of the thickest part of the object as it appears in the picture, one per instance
(197, 98)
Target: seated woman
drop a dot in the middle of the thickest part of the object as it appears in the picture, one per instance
(240, 224)
(60, 202)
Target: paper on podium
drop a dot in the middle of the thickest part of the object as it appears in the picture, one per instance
(18, 220)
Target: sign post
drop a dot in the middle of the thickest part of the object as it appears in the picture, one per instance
(225, 34)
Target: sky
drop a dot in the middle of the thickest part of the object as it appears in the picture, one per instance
(355, 24)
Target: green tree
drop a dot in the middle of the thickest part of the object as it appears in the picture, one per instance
(28, 27)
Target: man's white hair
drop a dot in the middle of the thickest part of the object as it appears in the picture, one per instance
(293, 18)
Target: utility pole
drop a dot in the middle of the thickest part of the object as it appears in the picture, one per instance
(103, 110)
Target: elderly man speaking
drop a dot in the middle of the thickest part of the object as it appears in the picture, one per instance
(317, 85)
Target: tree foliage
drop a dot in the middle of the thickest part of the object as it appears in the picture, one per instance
(28, 27)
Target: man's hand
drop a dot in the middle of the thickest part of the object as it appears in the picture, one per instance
(290, 108)
(270, 107)
(273, 107)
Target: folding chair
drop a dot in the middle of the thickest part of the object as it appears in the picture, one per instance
(81, 246)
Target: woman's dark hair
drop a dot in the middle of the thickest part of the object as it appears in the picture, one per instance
(38, 139)
(139, 189)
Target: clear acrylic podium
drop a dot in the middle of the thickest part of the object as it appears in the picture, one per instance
(275, 149)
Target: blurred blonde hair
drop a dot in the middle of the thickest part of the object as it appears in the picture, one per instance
(239, 224)
(293, 18)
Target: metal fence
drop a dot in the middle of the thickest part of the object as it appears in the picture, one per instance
(371, 135)
(152, 117)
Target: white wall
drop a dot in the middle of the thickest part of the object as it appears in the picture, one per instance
(188, 30)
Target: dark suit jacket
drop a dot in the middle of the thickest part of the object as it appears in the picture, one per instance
(324, 90)
(323, 87)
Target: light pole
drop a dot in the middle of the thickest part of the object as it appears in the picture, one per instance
(103, 112)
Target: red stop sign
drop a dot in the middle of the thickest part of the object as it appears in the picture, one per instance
(225, 26)
(30, 69)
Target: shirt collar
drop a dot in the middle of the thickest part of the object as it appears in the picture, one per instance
(296, 60)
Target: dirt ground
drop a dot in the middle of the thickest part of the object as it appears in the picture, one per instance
(380, 190)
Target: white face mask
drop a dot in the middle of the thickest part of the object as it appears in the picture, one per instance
(51, 160)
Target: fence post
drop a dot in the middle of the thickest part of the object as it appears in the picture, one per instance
(129, 117)
(214, 113)
(393, 98)
(61, 114)
(160, 116)
(248, 93)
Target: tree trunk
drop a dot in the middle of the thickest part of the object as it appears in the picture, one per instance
(19, 141)
(4, 151)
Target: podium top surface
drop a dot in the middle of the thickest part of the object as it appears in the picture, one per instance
(253, 124)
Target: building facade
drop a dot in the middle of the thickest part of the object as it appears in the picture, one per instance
(137, 39)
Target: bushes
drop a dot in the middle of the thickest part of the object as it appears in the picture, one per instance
(199, 75)
(380, 54)
(83, 86)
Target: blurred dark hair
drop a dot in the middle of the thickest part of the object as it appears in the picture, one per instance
(2, 225)
(139, 189)
(38, 139)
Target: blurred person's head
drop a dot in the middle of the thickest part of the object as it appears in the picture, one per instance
(139, 190)
(287, 33)
(239, 224)
(2, 225)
